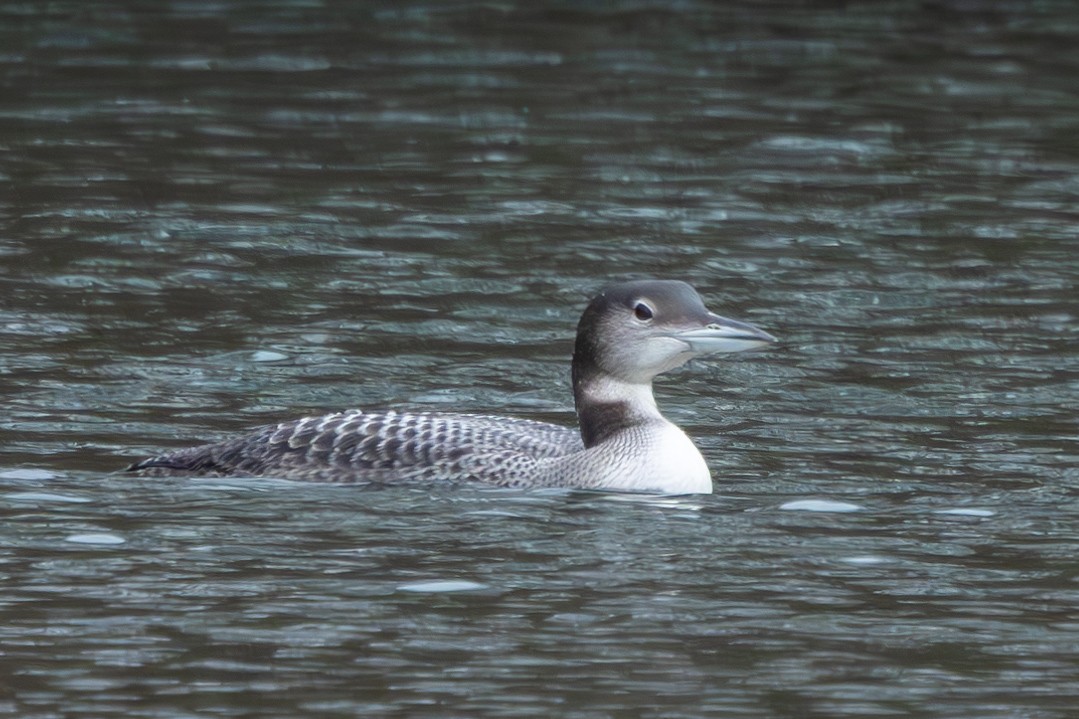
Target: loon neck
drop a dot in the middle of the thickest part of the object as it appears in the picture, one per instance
(607, 406)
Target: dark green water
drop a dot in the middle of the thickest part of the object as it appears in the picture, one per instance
(214, 216)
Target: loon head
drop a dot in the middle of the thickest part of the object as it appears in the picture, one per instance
(633, 331)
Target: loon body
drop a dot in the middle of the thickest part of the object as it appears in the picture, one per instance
(628, 334)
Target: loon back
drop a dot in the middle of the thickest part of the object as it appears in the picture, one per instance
(628, 334)
(354, 446)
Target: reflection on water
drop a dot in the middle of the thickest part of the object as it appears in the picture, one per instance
(219, 216)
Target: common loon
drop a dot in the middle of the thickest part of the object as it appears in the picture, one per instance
(628, 334)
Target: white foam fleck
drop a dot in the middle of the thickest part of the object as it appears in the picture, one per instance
(27, 474)
(268, 356)
(442, 585)
(967, 512)
(820, 505)
(94, 538)
(865, 560)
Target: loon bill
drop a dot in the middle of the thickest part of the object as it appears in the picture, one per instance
(628, 334)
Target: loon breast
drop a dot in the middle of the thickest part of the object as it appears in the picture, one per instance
(628, 334)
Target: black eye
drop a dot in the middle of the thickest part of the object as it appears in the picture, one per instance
(643, 312)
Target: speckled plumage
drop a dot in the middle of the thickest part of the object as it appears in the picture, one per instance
(627, 335)
(354, 446)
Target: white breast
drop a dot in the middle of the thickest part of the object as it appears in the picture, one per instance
(673, 464)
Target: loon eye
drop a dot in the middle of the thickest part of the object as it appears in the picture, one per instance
(643, 312)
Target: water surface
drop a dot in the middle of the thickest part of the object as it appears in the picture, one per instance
(216, 216)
